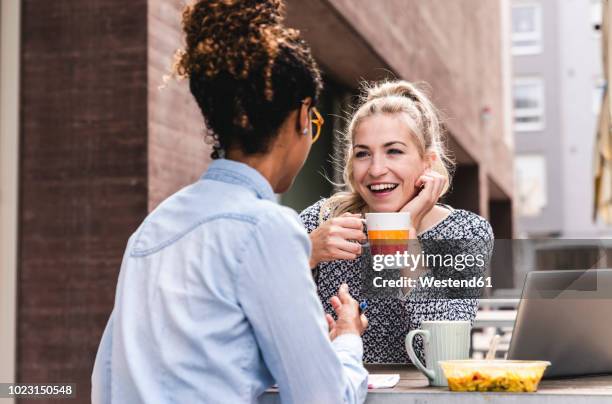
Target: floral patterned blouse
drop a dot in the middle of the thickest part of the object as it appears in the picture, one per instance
(390, 318)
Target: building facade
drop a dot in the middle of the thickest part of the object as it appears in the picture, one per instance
(558, 85)
(96, 144)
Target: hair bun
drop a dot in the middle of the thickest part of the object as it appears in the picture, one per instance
(232, 36)
(398, 88)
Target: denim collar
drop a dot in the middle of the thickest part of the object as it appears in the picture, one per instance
(234, 172)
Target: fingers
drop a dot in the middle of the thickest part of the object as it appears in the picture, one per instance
(349, 222)
(331, 323)
(340, 249)
(350, 234)
(335, 303)
(432, 185)
(330, 241)
(344, 295)
(428, 187)
(342, 255)
(439, 181)
(343, 244)
(358, 216)
(424, 185)
(350, 320)
(364, 321)
(349, 214)
(441, 184)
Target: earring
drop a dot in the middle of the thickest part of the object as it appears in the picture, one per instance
(305, 131)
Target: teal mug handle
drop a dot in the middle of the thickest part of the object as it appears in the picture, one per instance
(412, 355)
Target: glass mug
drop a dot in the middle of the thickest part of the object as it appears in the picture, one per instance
(388, 232)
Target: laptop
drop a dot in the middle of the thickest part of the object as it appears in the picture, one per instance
(565, 317)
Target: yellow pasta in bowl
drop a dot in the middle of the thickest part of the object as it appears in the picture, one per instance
(493, 375)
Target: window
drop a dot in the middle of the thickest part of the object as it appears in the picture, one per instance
(596, 16)
(599, 87)
(530, 184)
(526, 29)
(528, 96)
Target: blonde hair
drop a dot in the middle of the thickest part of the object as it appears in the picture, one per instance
(390, 97)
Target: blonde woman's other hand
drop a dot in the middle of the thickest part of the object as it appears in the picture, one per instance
(336, 239)
(431, 186)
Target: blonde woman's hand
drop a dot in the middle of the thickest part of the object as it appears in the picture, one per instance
(330, 241)
(432, 184)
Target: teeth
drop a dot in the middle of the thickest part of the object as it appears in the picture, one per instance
(380, 187)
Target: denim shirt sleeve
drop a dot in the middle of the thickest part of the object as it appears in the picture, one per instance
(278, 296)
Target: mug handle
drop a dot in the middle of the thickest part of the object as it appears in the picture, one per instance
(412, 355)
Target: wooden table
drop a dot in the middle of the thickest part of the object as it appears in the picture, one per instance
(413, 388)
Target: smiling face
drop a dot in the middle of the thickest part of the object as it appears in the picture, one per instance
(386, 162)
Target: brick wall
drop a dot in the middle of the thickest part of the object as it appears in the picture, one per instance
(83, 176)
(101, 146)
(177, 152)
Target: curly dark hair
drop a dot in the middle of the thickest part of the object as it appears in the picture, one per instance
(246, 70)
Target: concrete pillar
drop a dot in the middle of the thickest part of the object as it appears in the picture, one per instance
(502, 266)
(9, 186)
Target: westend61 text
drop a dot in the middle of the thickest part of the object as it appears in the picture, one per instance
(412, 261)
(429, 282)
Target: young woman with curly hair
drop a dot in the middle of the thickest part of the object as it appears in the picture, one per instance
(215, 301)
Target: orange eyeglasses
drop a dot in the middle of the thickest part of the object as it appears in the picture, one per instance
(317, 123)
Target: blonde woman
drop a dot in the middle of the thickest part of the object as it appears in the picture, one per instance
(395, 161)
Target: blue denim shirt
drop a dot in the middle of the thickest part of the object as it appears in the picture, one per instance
(215, 303)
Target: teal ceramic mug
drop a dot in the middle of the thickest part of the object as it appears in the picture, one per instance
(442, 340)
